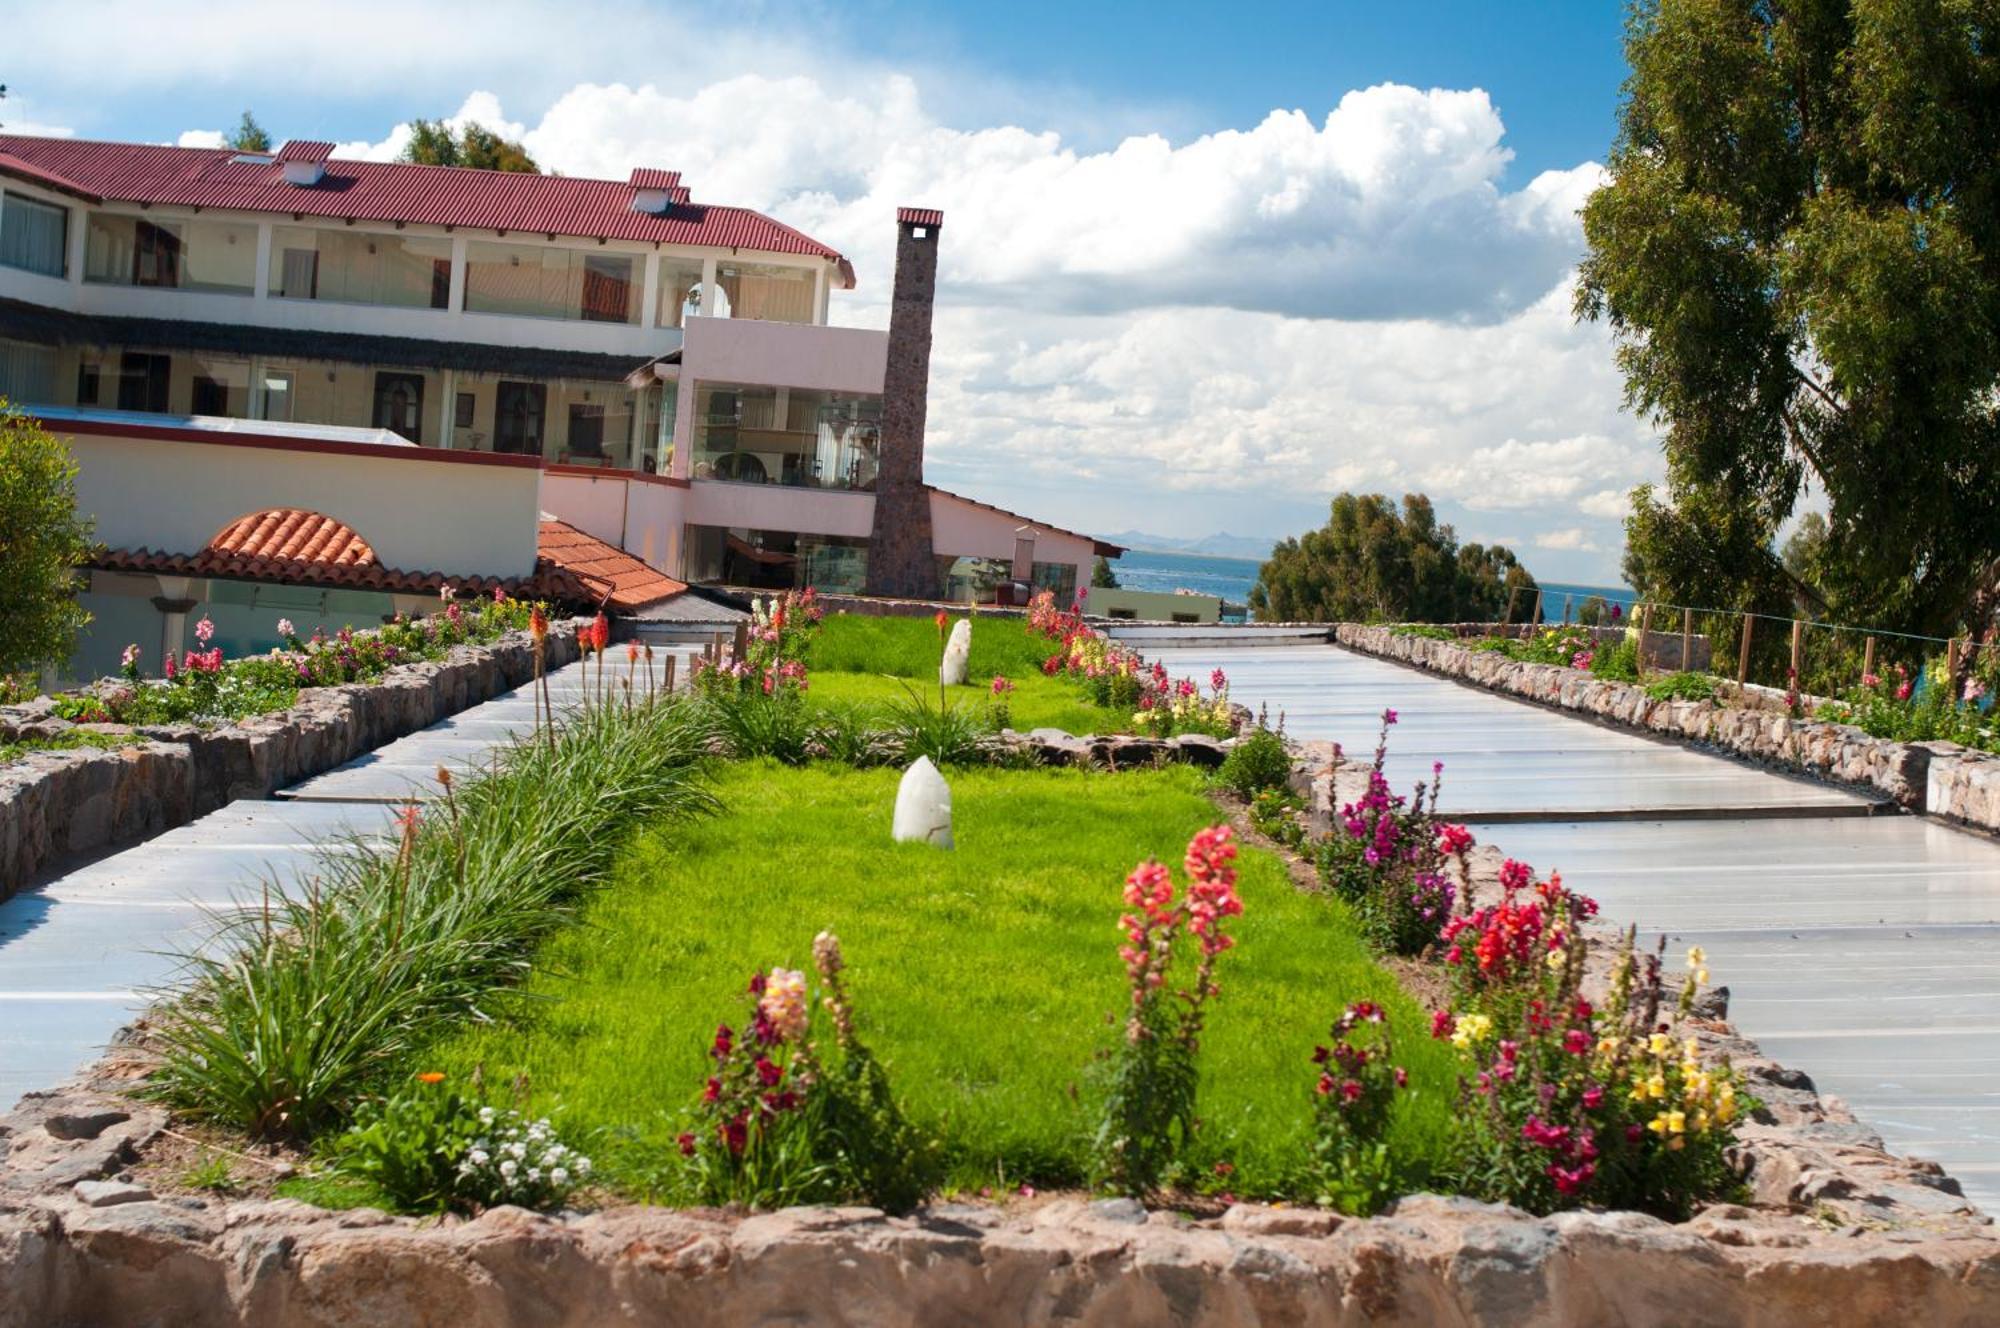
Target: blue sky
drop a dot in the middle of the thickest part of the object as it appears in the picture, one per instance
(1204, 266)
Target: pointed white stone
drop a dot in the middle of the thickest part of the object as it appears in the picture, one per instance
(957, 651)
(923, 806)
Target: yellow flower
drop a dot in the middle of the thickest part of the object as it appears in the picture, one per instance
(1556, 959)
(1701, 977)
(1607, 1046)
(1656, 1087)
(1696, 956)
(1668, 1122)
(1658, 1044)
(1471, 1029)
(1691, 1049)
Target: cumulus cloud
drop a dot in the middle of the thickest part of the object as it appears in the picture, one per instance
(1571, 538)
(1610, 503)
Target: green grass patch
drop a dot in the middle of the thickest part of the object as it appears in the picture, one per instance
(987, 977)
(1036, 702)
(909, 648)
(67, 742)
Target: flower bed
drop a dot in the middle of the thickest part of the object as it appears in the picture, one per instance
(125, 783)
(1943, 779)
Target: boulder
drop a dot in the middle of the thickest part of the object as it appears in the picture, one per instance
(923, 806)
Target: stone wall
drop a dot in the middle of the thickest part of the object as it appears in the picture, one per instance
(1939, 778)
(62, 803)
(1659, 649)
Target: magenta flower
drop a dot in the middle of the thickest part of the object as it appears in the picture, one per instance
(203, 630)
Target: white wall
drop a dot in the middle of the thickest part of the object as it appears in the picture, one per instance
(781, 507)
(422, 510)
(967, 530)
(642, 516)
(726, 350)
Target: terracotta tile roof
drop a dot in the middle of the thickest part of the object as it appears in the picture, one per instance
(614, 577)
(293, 535)
(399, 191)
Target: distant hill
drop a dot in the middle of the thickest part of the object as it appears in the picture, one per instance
(1218, 545)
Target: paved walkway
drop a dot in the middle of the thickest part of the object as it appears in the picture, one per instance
(1859, 948)
(81, 955)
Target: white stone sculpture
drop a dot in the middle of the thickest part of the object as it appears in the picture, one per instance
(951, 672)
(923, 806)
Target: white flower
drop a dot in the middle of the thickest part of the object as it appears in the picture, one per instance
(517, 1150)
(486, 1115)
(558, 1176)
(479, 1157)
(508, 1168)
(582, 1165)
(534, 1175)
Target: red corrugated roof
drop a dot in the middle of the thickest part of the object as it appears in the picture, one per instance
(398, 191)
(919, 216)
(651, 177)
(22, 169)
(616, 579)
(305, 149)
(294, 535)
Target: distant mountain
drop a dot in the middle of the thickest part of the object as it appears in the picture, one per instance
(1218, 545)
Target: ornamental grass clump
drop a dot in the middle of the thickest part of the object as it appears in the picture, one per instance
(796, 1109)
(1149, 1122)
(1564, 1102)
(1394, 861)
(297, 1008)
(1353, 1099)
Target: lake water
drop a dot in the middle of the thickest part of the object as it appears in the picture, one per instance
(1232, 578)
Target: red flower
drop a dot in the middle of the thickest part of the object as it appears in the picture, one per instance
(686, 1142)
(768, 1072)
(941, 619)
(713, 1092)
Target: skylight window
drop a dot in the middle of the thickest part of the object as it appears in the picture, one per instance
(252, 159)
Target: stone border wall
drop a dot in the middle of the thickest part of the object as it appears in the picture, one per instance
(62, 803)
(1938, 778)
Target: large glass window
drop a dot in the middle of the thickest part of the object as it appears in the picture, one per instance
(680, 290)
(538, 281)
(779, 435)
(773, 559)
(189, 254)
(28, 372)
(34, 236)
(765, 291)
(361, 267)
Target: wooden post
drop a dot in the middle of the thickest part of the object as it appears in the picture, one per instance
(667, 685)
(742, 640)
(1743, 653)
(1538, 607)
(1645, 631)
(1508, 616)
(1687, 640)
(1868, 659)
(1798, 654)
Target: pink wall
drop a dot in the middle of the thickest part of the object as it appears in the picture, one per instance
(968, 530)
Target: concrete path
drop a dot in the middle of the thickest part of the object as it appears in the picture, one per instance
(80, 955)
(1858, 948)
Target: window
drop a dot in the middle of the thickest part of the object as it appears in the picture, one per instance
(34, 236)
(88, 373)
(142, 381)
(774, 559)
(210, 396)
(191, 254)
(27, 372)
(361, 267)
(680, 291)
(780, 435)
(461, 413)
(765, 291)
(399, 404)
(518, 415)
(544, 281)
(1059, 577)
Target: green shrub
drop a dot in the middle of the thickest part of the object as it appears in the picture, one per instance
(751, 724)
(1684, 686)
(1617, 661)
(1256, 763)
(44, 544)
(1274, 813)
(295, 1008)
(429, 1149)
(1424, 630)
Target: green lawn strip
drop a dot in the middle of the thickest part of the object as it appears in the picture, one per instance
(909, 647)
(987, 977)
(1036, 702)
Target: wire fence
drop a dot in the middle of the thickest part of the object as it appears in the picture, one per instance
(1761, 649)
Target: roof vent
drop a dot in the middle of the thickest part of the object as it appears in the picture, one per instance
(304, 161)
(655, 190)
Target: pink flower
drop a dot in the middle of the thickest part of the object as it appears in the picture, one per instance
(1218, 680)
(204, 629)
(1903, 691)
(1001, 686)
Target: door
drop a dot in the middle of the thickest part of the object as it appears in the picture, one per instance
(156, 256)
(518, 412)
(399, 404)
(142, 381)
(586, 430)
(209, 397)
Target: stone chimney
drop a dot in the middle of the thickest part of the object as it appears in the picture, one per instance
(900, 559)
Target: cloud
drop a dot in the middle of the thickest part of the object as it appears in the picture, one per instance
(1389, 207)
(1611, 503)
(1573, 538)
(199, 138)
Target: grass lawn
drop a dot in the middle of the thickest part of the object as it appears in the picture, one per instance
(986, 977)
(858, 660)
